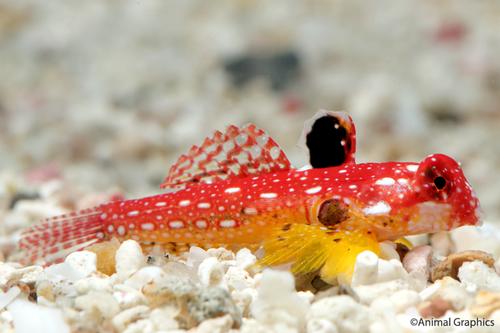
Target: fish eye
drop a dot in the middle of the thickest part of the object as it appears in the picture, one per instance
(440, 182)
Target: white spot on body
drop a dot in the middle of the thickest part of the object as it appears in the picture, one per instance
(385, 181)
(184, 203)
(133, 213)
(313, 190)
(160, 204)
(203, 205)
(352, 187)
(412, 167)
(380, 207)
(176, 224)
(121, 230)
(250, 211)
(232, 190)
(275, 153)
(227, 223)
(403, 181)
(110, 228)
(147, 226)
(268, 195)
(202, 224)
(103, 216)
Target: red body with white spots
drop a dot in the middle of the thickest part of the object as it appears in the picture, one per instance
(240, 210)
(238, 187)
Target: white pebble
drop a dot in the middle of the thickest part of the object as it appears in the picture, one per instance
(238, 279)
(277, 299)
(127, 296)
(368, 293)
(404, 299)
(245, 258)
(163, 318)
(216, 325)
(195, 256)
(485, 238)
(7, 297)
(388, 250)
(430, 291)
(347, 315)
(93, 283)
(441, 243)
(29, 317)
(365, 269)
(243, 299)
(211, 272)
(144, 276)
(102, 302)
(62, 271)
(455, 293)
(317, 325)
(84, 262)
(390, 270)
(477, 275)
(129, 259)
(122, 319)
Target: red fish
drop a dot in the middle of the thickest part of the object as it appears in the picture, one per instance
(238, 189)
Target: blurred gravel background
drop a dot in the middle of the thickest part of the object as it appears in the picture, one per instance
(109, 93)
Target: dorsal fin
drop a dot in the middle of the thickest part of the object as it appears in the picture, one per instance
(238, 152)
(330, 138)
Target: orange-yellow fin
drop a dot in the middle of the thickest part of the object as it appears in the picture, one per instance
(342, 255)
(311, 248)
(236, 152)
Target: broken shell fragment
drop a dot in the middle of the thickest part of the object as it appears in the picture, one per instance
(450, 265)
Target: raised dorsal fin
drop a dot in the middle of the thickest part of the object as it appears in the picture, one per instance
(330, 138)
(238, 152)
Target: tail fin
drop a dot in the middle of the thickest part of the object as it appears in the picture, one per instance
(53, 239)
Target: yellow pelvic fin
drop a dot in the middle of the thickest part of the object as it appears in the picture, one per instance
(404, 242)
(310, 248)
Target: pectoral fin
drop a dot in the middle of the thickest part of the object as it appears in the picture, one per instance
(312, 248)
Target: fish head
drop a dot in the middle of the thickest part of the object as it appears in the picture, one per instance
(444, 193)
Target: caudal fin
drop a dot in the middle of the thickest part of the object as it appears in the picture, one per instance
(53, 239)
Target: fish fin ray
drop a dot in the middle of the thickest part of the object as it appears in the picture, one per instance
(301, 245)
(237, 152)
(342, 256)
(51, 240)
(311, 248)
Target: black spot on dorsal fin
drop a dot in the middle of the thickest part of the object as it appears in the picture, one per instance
(331, 140)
